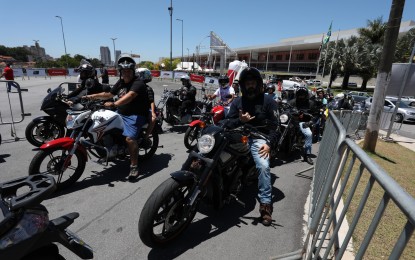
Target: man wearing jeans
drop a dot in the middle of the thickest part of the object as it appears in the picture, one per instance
(254, 108)
(8, 75)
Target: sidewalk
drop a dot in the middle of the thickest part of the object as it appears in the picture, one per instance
(404, 141)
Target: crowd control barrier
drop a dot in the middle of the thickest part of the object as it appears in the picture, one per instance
(342, 163)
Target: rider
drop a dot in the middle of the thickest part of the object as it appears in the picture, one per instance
(133, 105)
(89, 83)
(146, 77)
(255, 107)
(321, 105)
(271, 92)
(303, 103)
(225, 92)
(187, 94)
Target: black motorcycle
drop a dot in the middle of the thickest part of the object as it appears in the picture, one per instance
(25, 229)
(215, 174)
(292, 139)
(43, 129)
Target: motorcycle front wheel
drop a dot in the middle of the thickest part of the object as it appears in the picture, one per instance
(51, 161)
(38, 133)
(190, 137)
(165, 215)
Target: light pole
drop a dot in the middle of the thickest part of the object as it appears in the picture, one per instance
(113, 44)
(181, 20)
(64, 44)
(171, 34)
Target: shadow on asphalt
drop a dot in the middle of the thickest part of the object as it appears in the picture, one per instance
(3, 156)
(217, 222)
(118, 172)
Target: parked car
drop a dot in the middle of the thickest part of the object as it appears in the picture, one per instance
(359, 93)
(352, 84)
(404, 113)
(317, 82)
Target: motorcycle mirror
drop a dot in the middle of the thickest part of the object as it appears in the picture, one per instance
(49, 90)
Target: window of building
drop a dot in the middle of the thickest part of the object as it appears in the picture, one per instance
(279, 57)
(300, 56)
(287, 56)
(313, 56)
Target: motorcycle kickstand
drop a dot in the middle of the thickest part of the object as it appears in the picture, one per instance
(237, 200)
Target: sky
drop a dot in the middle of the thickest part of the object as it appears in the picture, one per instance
(143, 27)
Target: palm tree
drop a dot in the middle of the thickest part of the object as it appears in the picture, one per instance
(348, 58)
(367, 60)
(404, 47)
(374, 32)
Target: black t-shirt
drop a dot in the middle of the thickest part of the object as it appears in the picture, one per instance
(140, 105)
(105, 78)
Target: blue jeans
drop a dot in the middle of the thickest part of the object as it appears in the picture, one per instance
(262, 165)
(308, 138)
(9, 86)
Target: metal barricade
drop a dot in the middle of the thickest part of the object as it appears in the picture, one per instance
(341, 163)
(13, 120)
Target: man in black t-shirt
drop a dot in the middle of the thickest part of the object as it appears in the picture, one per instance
(104, 75)
(133, 105)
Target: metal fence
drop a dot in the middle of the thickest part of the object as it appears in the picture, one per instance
(341, 168)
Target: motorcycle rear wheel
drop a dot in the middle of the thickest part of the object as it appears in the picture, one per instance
(190, 137)
(164, 216)
(145, 153)
(57, 156)
(38, 133)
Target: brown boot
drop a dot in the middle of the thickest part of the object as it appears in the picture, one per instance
(266, 211)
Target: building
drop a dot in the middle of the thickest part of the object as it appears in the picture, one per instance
(294, 56)
(105, 55)
(37, 52)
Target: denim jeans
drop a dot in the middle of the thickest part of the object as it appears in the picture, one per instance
(308, 138)
(262, 165)
(10, 84)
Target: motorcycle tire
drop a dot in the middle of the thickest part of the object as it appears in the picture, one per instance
(147, 153)
(49, 252)
(190, 137)
(38, 133)
(57, 160)
(165, 209)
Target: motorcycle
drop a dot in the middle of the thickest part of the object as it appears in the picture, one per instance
(292, 139)
(46, 128)
(211, 117)
(216, 174)
(95, 131)
(25, 229)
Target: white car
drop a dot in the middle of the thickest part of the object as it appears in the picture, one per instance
(404, 113)
(317, 82)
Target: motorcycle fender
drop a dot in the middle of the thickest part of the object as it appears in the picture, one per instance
(66, 143)
(45, 119)
(195, 122)
(183, 176)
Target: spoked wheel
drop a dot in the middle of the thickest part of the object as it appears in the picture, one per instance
(56, 161)
(147, 148)
(38, 133)
(166, 214)
(190, 137)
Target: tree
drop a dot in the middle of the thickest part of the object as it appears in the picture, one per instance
(367, 60)
(383, 75)
(404, 47)
(166, 63)
(347, 58)
(374, 32)
(18, 53)
(146, 64)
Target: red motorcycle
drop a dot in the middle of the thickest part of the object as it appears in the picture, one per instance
(193, 132)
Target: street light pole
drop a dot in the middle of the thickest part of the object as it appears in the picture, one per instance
(171, 34)
(182, 40)
(64, 44)
(113, 44)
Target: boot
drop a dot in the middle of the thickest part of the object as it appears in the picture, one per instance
(265, 210)
(308, 159)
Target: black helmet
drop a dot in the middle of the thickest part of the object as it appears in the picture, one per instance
(250, 73)
(144, 74)
(320, 90)
(126, 62)
(271, 86)
(86, 70)
(223, 80)
(301, 91)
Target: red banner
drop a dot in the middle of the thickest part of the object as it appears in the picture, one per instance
(112, 72)
(197, 78)
(155, 73)
(56, 72)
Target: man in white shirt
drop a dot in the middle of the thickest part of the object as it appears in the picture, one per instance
(225, 93)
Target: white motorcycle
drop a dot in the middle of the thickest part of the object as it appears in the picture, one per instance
(95, 131)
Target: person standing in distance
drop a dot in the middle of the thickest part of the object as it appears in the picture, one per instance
(133, 105)
(104, 74)
(8, 75)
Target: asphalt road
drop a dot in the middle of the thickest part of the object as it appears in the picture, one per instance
(110, 206)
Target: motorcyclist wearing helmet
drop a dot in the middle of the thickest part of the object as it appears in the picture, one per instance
(254, 107)
(89, 83)
(271, 92)
(225, 93)
(303, 103)
(145, 75)
(321, 105)
(133, 105)
(187, 95)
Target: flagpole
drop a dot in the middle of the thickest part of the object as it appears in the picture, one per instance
(332, 59)
(325, 56)
(319, 56)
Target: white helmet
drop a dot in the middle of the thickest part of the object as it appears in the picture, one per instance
(144, 74)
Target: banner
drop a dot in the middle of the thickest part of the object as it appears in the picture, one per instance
(155, 73)
(166, 74)
(112, 72)
(197, 78)
(34, 72)
(18, 72)
(179, 74)
(211, 80)
(56, 72)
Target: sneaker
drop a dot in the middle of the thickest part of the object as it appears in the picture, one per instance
(308, 159)
(265, 210)
(133, 172)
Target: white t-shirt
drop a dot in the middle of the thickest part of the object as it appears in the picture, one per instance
(223, 92)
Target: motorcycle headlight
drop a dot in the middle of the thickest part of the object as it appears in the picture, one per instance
(205, 143)
(283, 118)
(70, 121)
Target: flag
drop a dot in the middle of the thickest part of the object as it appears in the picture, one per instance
(327, 38)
